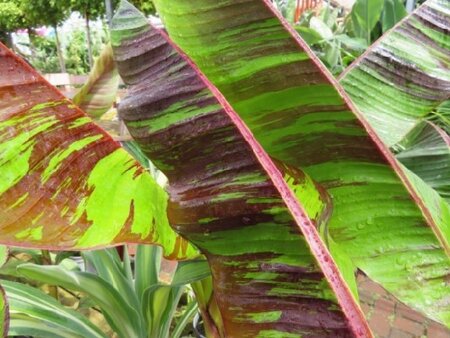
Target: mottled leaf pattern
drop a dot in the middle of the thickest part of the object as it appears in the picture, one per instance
(302, 117)
(230, 199)
(64, 183)
(405, 75)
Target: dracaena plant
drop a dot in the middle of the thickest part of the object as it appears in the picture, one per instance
(139, 302)
(275, 176)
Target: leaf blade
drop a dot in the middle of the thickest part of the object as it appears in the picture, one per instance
(65, 184)
(326, 136)
(201, 101)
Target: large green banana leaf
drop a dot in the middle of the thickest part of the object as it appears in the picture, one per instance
(230, 199)
(382, 217)
(402, 81)
(253, 204)
(64, 183)
(221, 200)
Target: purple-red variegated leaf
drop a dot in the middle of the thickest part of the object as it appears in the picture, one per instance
(64, 183)
(273, 275)
(99, 93)
(382, 217)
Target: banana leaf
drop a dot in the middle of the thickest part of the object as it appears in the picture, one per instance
(300, 116)
(233, 204)
(64, 183)
(403, 77)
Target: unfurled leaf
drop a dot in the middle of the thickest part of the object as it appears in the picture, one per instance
(301, 117)
(64, 183)
(99, 93)
(404, 76)
(36, 314)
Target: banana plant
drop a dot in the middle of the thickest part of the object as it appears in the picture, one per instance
(410, 119)
(274, 175)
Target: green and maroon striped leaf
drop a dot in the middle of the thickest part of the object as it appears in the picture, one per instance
(302, 117)
(98, 94)
(404, 76)
(231, 200)
(64, 183)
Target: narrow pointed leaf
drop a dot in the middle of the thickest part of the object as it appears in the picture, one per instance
(64, 183)
(99, 93)
(122, 318)
(109, 267)
(147, 265)
(34, 313)
(190, 271)
(404, 76)
(301, 117)
(185, 319)
(4, 302)
(4, 313)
